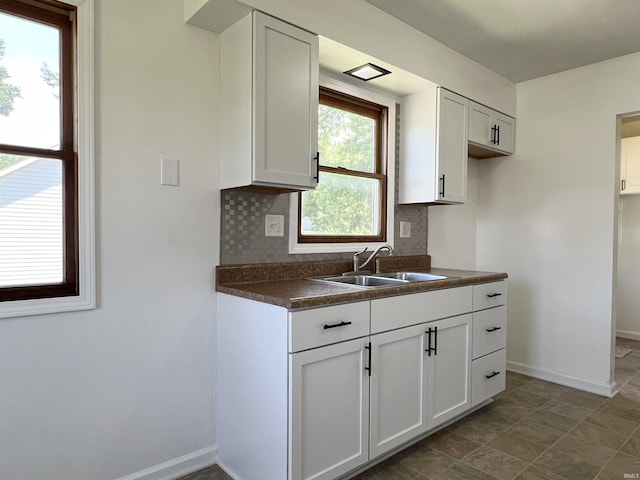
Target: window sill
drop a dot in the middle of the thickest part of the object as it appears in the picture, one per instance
(42, 306)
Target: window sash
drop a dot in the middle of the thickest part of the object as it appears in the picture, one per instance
(342, 101)
(368, 109)
(382, 211)
(60, 16)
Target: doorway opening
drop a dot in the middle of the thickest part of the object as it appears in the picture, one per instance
(627, 259)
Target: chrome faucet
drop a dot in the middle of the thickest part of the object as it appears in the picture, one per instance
(356, 257)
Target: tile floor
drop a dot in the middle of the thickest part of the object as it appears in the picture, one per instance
(534, 430)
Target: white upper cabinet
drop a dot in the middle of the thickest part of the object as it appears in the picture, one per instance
(269, 104)
(433, 150)
(630, 165)
(491, 133)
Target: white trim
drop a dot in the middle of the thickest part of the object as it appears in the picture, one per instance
(176, 467)
(86, 198)
(605, 389)
(627, 334)
(229, 471)
(390, 148)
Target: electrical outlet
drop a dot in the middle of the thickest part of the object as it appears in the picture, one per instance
(274, 225)
(405, 229)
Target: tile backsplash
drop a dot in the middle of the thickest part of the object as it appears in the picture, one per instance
(243, 237)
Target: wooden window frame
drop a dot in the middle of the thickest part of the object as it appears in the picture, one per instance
(60, 16)
(379, 113)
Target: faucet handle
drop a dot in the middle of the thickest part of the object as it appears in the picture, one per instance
(357, 254)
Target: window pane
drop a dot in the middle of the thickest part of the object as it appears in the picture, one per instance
(31, 228)
(342, 205)
(29, 83)
(346, 139)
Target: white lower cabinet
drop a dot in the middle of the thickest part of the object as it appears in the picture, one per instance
(351, 387)
(489, 349)
(488, 376)
(329, 414)
(448, 392)
(398, 388)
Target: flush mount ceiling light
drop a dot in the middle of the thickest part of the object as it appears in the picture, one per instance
(367, 72)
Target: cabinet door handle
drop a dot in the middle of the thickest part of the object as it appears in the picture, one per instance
(442, 192)
(335, 325)
(623, 185)
(493, 329)
(493, 134)
(435, 341)
(498, 134)
(368, 347)
(428, 349)
(491, 375)
(491, 295)
(317, 159)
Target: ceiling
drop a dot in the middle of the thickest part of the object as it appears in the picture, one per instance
(525, 39)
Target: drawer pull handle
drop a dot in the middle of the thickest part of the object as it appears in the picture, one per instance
(491, 295)
(491, 375)
(493, 329)
(335, 325)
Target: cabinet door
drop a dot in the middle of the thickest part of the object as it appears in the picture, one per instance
(492, 130)
(452, 147)
(480, 124)
(448, 369)
(285, 103)
(630, 165)
(506, 133)
(329, 410)
(397, 388)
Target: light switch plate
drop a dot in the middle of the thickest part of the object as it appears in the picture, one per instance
(405, 229)
(274, 225)
(170, 171)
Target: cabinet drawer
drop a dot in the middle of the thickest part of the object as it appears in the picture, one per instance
(489, 331)
(323, 326)
(488, 376)
(406, 310)
(487, 295)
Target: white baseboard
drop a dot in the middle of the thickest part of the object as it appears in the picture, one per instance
(228, 470)
(176, 467)
(605, 389)
(629, 335)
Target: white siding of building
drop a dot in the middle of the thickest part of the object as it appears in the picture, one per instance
(31, 228)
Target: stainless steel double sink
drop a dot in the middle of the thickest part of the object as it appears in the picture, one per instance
(383, 279)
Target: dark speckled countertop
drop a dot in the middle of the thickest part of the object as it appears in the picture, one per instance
(292, 285)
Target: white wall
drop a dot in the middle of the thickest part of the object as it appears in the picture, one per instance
(103, 394)
(547, 216)
(368, 29)
(628, 278)
(451, 233)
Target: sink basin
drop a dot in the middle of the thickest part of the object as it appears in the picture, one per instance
(366, 280)
(383, 279)
(413, 276)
